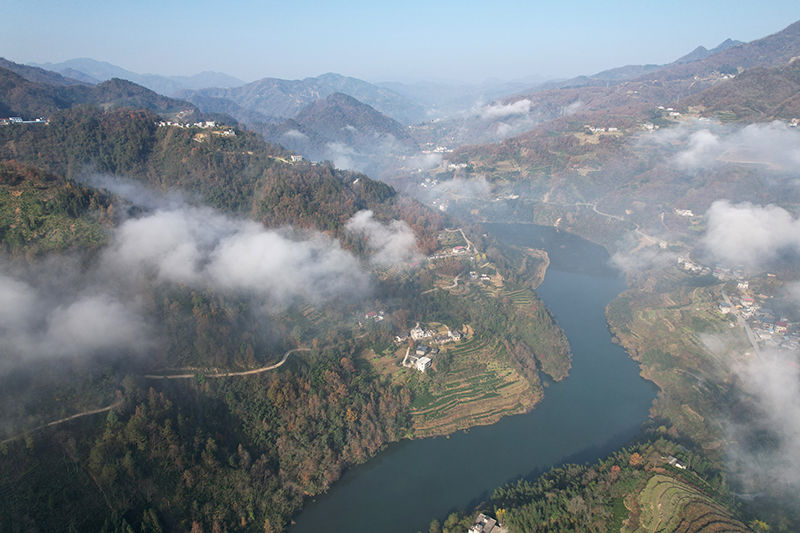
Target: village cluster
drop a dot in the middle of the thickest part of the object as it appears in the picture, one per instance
(11, 121)
(208, 124)
(422, 355)
(769, 331)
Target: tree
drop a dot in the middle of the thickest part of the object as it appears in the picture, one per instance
(297, 333)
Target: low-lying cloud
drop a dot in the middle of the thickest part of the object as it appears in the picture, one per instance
(766, 446)
(199, 246)
(62, 309)
(493, 112)
(295, 134)
(390, 243)
(749, 235)
(708, 144)
(37, 322)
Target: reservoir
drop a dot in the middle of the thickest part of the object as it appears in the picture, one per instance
(598, 408)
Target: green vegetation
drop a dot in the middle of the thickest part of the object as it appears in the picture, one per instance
(471, 383)
(633, 490)
(671, 325)
(669, 504)
(240, 175)
(40, 212)
(237, 454)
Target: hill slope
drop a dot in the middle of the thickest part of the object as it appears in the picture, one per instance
(18, 96)
(38, 75)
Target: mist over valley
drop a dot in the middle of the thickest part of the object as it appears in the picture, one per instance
(218, 297)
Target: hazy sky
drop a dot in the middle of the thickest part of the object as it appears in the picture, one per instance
(380, 41)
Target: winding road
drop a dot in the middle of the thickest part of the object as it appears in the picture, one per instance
(469, 243)
(453, 286)
(229, 374)
(153, 376)
(66, 419)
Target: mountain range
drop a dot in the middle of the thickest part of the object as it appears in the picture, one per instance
(93, 72)
(30, 99)
(277, 99)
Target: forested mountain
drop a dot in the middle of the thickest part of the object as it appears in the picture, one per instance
(340, 120)
(242, 453)
(93, 71)
(39, 75)
(281, 99)
(27, 99)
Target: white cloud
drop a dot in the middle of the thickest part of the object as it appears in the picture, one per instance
(390, 243)
(749, 235)
(203, 247)
(93, 324)
(424, 161)
(774, 145)
(573, 108)
(343, 156)
(295, 134)
(704, 149)
(492, 112)
(772, 384)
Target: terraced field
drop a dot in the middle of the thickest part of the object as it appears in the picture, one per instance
(479, 388)
(668, 505)
(312, 322)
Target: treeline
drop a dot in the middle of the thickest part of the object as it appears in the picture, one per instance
(221, 455)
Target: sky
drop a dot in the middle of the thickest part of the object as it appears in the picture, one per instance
(465, 40)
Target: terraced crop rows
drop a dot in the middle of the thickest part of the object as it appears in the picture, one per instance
(668, 505)
(480, 388)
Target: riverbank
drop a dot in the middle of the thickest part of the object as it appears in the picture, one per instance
(596, 410)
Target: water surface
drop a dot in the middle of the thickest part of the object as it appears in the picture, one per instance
(595, 410)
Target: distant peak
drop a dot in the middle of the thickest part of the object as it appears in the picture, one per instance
(727, 43)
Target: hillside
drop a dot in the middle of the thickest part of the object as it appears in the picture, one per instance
(27, 99)
(757, 94)
(342, 118)
(211, 450)
(649, 486)
(39, 75)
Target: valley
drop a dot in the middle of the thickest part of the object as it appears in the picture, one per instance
(329, 304)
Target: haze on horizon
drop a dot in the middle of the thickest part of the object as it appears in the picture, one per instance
(467, 41)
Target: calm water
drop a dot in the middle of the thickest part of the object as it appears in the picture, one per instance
(595, 410)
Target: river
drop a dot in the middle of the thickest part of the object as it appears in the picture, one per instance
(598, 408)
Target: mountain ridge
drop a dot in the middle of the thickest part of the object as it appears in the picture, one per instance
(280, 99)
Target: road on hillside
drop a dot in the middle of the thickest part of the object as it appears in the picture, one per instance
(65, 419)
(230, 374)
